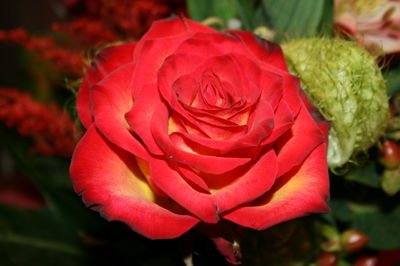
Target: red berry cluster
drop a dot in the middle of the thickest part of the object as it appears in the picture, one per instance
(349, 242)
(389, 157)
(51, 128)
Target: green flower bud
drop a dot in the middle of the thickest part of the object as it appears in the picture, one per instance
(346, 84)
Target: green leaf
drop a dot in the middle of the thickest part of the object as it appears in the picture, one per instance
(46, 235)
(367, 175)
(382, 228)
(392, 75)
(224, 9)
(39, 236)
(294, 18)
(246, 10)
(340, 209)
(327, 18)
(200, 10)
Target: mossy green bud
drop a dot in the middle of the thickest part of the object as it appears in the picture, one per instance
(346, 84)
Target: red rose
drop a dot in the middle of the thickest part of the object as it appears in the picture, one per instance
(192, 125)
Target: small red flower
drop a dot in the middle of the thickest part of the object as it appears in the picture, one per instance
(64, 60)
(50, 128)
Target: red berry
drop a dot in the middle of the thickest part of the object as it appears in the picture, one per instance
(390, 154)
(327, 259)
(353, 240)
(366, 261)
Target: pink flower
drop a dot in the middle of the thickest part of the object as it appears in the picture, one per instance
(374, 23)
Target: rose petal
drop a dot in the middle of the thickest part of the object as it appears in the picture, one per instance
(210, 146)
(259, 129)
(261, 124)
(140, 115)
(213, 44)
(204, 163)
(254, 183)
(83, 105)
(174, 67)
(171, 183)
(264, 50)
(299, 142)
(111, 101)
(180, 69)
(272, 88)
(193, 179)
(174, 26)
(110, 59)
(110, 182)
(158, 43)
(291, 93)
(283, 121)
(151, 57)
(105, 62)
(302, 191)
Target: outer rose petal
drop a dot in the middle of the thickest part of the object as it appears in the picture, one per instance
(140, 115)
(212, 44)
(106, 61)
(161, 40)
(110, 181)
(152, 55)
(83, 105)
(171, 183)
(305, 135)
(264, 50)
(174, 26)
(291, 93)
(258, 180)
(110, 59)
(111, 101)
(302, 191)
(283, 122)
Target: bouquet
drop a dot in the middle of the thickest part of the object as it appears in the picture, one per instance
(204, 133)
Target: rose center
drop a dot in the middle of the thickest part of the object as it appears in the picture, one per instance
(211, 91)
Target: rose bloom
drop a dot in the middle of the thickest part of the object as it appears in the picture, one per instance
(191, 125)
(374, 23)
